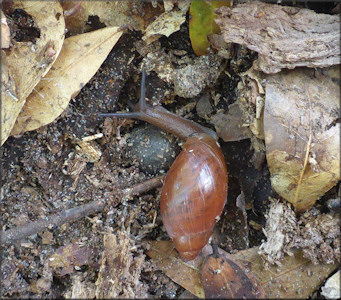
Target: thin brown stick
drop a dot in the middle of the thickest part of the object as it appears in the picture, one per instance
(72, 214)
(144, 186)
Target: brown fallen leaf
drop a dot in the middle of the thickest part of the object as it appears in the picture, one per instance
(283, 36)
(302, 136)
(230, 126)
(168, 260)
(28, 62)
(80, 58)
(296, 278)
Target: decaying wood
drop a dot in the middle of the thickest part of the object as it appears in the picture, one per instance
(284, 37)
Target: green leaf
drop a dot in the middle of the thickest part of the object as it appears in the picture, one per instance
(202, 23)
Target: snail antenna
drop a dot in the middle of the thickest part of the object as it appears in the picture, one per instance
(142, 101)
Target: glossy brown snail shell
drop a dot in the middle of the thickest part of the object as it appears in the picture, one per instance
(195, 188)
(194, 194)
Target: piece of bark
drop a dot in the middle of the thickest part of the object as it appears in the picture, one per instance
(120, 270)
(284, 37)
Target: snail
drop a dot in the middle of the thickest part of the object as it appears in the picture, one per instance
(195, 187)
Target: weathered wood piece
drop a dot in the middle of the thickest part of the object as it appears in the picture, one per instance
(283, 36)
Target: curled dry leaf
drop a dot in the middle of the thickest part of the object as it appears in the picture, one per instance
(165, 24)
(223, 277)
(28, 62)
(70, 73)
(134, 14)
(302, 135)
(283, 36)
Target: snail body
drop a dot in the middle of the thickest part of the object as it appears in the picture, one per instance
(195, 187)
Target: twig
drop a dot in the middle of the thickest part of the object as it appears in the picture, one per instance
(144, 186)
(72, 214)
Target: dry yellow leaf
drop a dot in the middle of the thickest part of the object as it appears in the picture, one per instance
(80, 58)
(302, 135)
(165, 24)
(27, 62)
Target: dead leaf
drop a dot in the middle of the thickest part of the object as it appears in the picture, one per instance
(302, 136)
(27, 61)
(117, 13)
(230, 126)
(331, 290)
(80, 58)
(7, 82)
(5, 33)
(134, 14)
(165, 24)
(296, 278)
(168, 260)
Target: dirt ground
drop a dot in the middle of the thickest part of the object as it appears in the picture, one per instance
(45, 171)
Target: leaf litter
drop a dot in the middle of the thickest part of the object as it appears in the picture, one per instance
(60, 172)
